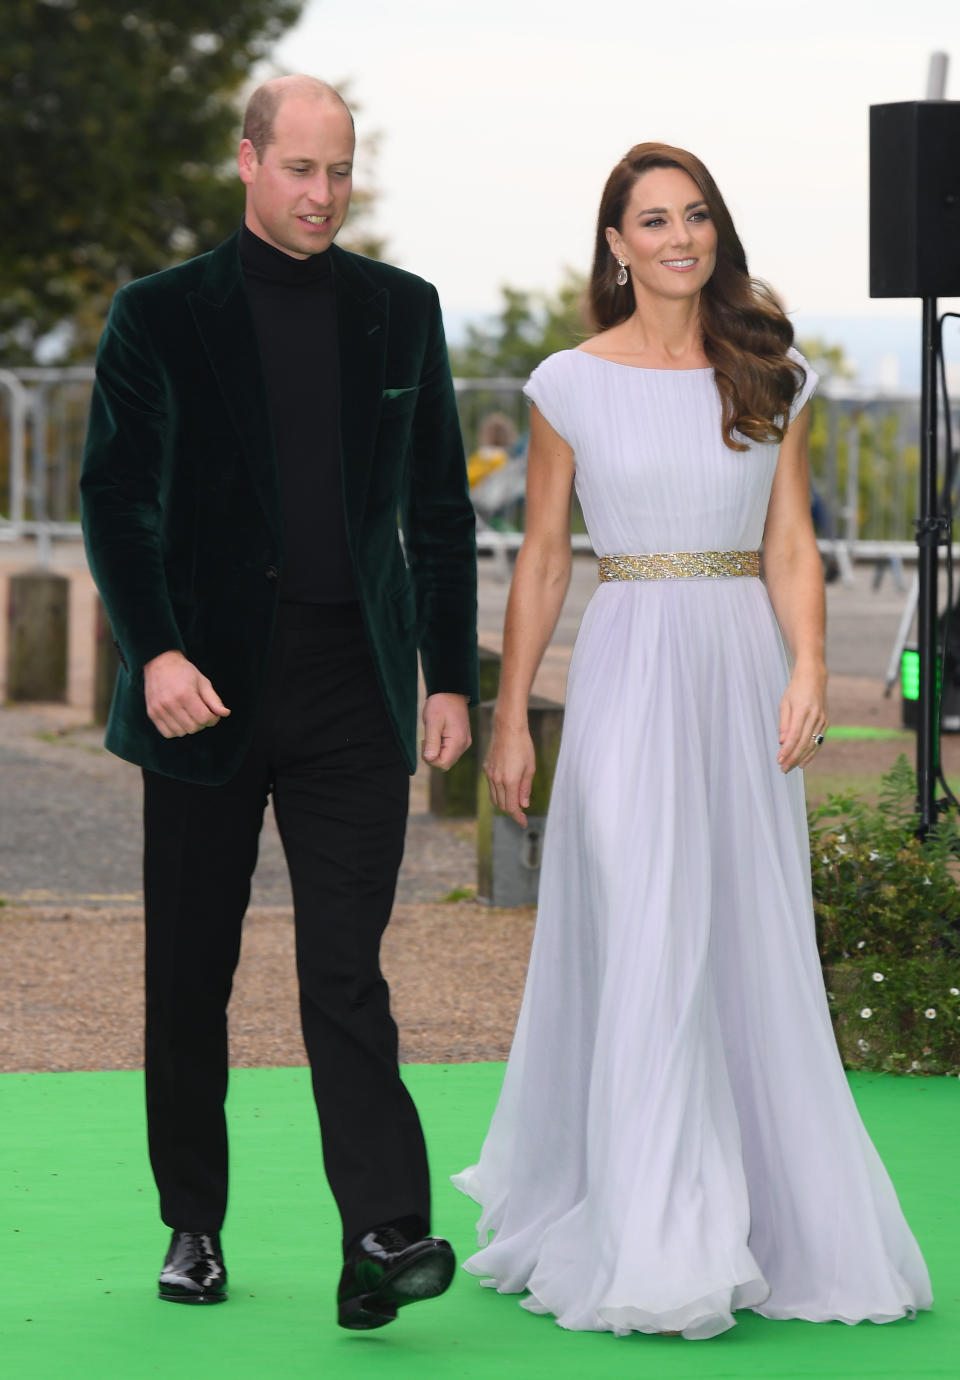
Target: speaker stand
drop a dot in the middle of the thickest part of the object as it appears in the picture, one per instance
(931, 528)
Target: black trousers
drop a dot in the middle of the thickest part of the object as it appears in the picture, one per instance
(325, 750)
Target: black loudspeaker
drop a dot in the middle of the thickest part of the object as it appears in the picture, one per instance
(915, 199)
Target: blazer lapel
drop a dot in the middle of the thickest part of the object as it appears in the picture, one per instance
(362, 319)
(223, 319)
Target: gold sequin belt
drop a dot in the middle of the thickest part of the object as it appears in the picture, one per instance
(680, 565)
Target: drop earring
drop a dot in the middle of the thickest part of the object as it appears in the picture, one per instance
(623, 275)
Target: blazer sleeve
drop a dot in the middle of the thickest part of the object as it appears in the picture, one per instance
(120, 488)
(440, 529)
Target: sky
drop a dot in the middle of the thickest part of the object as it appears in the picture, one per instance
(498, 123)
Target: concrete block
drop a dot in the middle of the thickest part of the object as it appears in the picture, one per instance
(37, 631)
(106, 663)
(508, 856)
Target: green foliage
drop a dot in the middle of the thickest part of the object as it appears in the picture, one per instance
(117, 128)
(888, 925)
(887, 469)
(887, 465)
(459, 893)
(358, 235)
(528, 327)
(828, 361)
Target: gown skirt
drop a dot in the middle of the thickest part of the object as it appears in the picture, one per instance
(675, 1138)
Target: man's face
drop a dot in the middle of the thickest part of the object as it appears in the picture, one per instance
(297, 198)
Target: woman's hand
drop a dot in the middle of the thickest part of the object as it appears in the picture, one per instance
(509, 768)
(803, 716)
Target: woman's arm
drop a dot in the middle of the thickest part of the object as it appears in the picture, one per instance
(540, 580)
(794, 578)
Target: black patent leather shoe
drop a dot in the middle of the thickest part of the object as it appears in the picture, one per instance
(193, 1271)
(385, 1271)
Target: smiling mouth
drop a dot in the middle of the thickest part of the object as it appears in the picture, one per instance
(678, 263)
(315, 220)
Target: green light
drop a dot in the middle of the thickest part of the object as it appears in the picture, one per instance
(910, 674)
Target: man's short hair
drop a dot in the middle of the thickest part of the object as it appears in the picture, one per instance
(261, 112)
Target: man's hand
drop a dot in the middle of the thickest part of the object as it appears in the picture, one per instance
(179, 699)
(446, 725)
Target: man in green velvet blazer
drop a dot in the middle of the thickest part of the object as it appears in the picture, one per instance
(282, 393)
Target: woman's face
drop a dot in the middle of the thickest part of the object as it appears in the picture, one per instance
(667, 236)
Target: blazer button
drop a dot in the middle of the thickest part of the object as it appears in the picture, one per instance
(271, 572)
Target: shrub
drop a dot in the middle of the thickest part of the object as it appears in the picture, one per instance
(887, 909)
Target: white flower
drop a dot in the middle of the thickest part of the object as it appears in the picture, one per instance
(861, 944)
(863, 1045)
(914, 1065)
(878, 977)
(955, 991)
(926, 881)
(841, 838)
(825, 860)
(930, 1013)
(867, 1012)
(874, 857)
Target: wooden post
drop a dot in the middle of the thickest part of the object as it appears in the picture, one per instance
(37, 619)
(508, 856)
(453, 793)
(106, 663)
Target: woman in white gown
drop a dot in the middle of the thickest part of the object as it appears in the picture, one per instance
(675, 1138)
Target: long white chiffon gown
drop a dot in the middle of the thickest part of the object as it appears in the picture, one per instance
(675, 1137)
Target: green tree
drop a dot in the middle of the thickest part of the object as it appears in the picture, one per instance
(358, 234)
(528, 327)
(117, 126)
(829, 361)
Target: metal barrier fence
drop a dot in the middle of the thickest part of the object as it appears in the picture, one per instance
(863, 447)
(44, 412)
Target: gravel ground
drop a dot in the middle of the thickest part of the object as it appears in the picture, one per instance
(71, 986)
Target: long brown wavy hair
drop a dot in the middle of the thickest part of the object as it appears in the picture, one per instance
(746, 334)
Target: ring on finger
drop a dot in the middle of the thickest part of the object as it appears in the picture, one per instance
(818, 739)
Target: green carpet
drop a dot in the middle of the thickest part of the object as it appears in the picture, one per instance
(82, 1246)
(854, 732)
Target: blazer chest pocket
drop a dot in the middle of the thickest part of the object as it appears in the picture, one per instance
(396, 402)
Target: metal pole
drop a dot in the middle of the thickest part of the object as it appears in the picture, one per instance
(39, 474)
(851, 508)
(19, 413)
(929, 528)
(900, 641)
(937, 77)
(830, 467)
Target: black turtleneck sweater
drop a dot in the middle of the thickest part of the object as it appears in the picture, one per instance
(294, 313)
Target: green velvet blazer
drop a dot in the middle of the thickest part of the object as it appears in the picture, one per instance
(181, 507)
